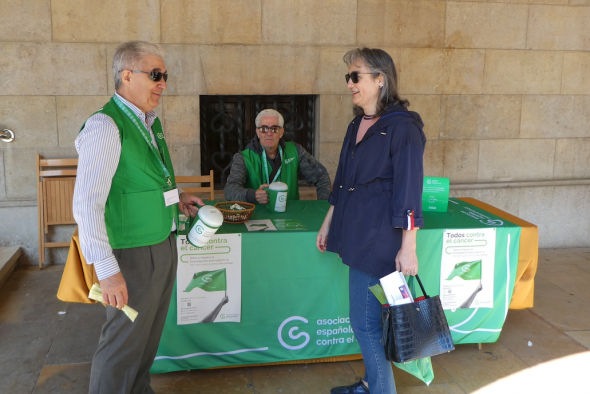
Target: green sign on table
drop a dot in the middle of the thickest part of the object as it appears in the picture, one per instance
(435, 194)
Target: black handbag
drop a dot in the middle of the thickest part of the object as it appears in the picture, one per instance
(416, 330)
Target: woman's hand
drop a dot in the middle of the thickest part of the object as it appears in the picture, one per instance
(406, 260)
(322, 238)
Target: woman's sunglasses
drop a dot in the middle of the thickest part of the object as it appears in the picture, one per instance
(354, 76)
(154, 75)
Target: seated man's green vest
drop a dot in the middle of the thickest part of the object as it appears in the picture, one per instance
(135, 211)
(288, 175)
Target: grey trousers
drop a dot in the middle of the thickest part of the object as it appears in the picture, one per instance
(126, 350)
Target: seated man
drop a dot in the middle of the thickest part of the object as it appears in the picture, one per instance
(268, 158)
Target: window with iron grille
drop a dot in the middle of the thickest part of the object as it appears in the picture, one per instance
(227, 126)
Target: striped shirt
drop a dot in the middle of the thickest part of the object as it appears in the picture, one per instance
(99, 150)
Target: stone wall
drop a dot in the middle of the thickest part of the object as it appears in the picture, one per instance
(503, 86)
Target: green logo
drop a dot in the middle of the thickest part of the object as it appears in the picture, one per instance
(282, 198)
(199, 229)
(207, 278)
(491, 222)
(160, 135)
(222, 316)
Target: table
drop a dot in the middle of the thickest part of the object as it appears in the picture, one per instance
(295, 307)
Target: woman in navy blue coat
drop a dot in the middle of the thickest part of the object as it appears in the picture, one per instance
(376, 202)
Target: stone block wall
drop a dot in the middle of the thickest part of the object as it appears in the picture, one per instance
(503, 86)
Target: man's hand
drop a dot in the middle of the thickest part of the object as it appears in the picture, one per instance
(261, 195)
(114, 290)
(187, 204)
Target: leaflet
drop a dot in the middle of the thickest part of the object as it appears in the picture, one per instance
(396, 289)
(260, 225)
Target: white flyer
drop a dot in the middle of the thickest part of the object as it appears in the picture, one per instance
(209, 280)
(396, 289)
(467, 268)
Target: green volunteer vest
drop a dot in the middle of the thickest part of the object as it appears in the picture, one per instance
(135, 212)
(288, 173)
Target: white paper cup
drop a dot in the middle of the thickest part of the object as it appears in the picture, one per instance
(207, 222)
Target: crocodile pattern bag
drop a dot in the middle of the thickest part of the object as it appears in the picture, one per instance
(416, 330)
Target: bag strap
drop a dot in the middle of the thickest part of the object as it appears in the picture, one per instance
(385, 326)
(421, 287)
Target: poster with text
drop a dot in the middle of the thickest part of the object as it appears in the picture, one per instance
(467, 268)
(209, 280)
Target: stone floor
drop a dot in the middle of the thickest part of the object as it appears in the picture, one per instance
(45, 351)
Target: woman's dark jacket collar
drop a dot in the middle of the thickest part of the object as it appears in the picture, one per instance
(391, 114)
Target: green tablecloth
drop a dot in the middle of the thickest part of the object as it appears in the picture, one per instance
(295, 299)
(471, 325)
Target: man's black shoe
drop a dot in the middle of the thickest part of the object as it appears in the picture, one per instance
(357, 388)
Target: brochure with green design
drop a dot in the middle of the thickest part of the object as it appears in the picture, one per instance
(435, 194)
(289, 224)
(209, 280)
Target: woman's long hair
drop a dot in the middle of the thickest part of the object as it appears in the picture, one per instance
(379, 62)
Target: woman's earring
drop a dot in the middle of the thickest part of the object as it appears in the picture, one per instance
(380, 86)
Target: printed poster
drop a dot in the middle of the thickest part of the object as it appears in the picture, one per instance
(209, 280)
(467, 268)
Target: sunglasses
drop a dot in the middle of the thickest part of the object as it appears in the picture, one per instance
(154, 75)
(265, 129)
(354, 76)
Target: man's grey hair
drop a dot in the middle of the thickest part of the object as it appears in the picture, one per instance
(269, 112)
(129, 56)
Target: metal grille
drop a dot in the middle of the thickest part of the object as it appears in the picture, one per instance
(227, 125)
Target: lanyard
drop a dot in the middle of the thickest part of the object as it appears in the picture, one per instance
(265, 165)
(143, 131)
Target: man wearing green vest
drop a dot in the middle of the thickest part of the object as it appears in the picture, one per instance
(126, 205)
(269, 158)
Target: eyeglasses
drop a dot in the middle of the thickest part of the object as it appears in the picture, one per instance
(354, 76)
(265, 129)
(155, 76)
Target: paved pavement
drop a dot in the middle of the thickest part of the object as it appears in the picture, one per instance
(43, 351)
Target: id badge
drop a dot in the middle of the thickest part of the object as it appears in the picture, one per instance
(170, 195)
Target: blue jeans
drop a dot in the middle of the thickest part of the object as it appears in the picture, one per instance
(365, 319)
